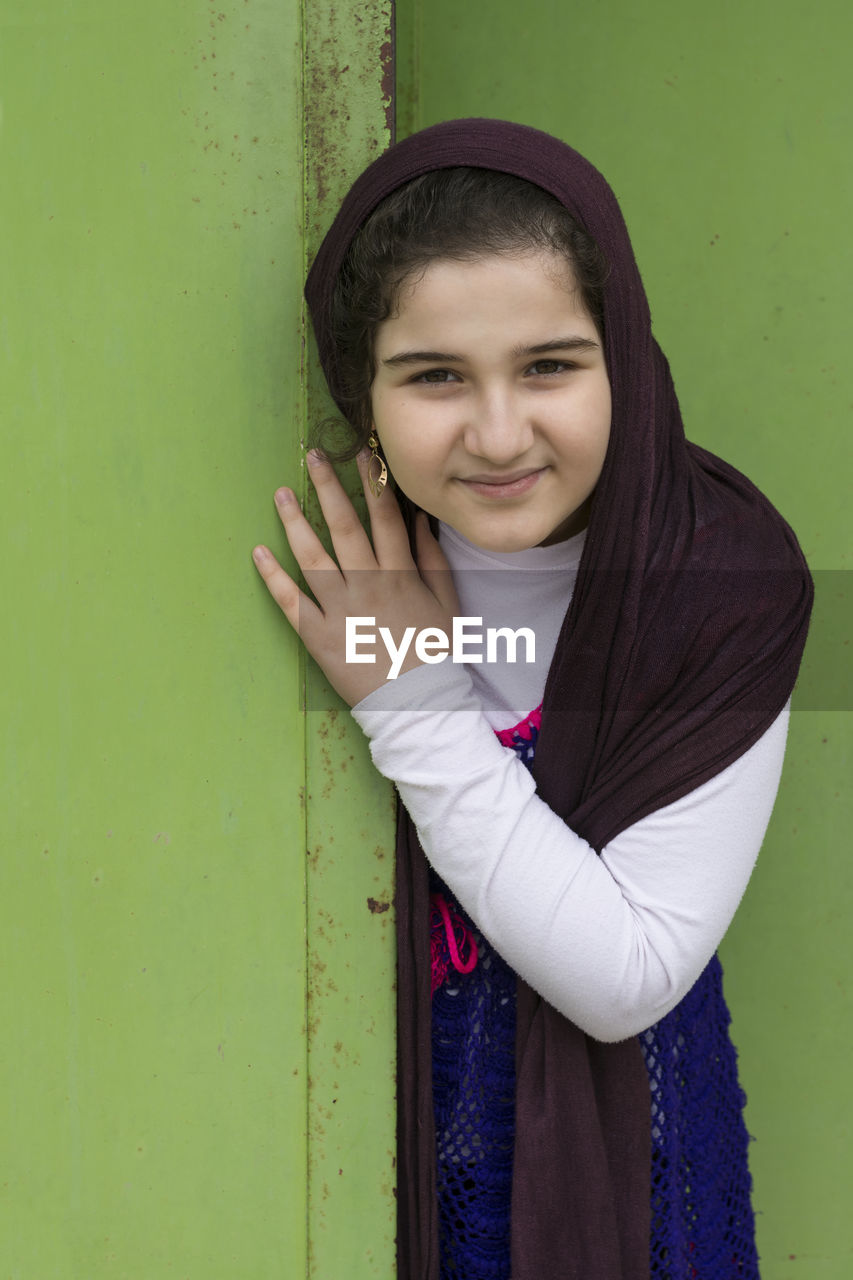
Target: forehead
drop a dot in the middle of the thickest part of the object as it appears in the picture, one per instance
(484, 294)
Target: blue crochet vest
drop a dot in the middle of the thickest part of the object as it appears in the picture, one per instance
(702, 1220)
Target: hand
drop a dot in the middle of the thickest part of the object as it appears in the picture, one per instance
(380, 581)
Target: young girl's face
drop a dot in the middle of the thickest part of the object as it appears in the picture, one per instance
(491, 399)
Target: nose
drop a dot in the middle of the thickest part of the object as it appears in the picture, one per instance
(498, 428)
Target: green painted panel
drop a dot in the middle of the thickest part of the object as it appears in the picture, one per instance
(725, 131)
(153, 934)
(788, 978)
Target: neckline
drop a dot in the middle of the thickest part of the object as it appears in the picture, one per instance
(559, 555)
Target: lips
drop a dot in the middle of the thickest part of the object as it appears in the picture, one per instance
(503, 486)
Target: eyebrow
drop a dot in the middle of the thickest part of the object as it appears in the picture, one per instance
(572, 343)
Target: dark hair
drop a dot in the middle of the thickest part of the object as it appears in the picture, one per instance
(460, 213)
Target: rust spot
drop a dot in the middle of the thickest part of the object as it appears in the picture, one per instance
(376, 907)
(387, 61)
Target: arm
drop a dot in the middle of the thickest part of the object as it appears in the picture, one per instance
(615, 941)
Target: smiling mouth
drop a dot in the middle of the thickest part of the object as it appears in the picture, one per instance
(508, 486)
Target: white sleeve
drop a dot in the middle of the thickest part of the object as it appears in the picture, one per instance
(613, 942)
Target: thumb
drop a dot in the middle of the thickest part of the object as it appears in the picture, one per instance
(433, 566)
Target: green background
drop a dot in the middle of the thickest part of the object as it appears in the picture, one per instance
(197, 998)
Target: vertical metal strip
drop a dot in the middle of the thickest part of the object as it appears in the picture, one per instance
(348, 120)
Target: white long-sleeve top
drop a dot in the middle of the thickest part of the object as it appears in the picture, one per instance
(613, 942)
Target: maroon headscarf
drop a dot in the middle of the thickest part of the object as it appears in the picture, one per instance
(680, 647)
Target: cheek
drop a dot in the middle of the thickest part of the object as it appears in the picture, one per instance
(412, 463)
(411, 437)
(583, 425)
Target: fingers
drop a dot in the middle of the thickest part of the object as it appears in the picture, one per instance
(308, 550)
(319, 569)
(433, 566)
(389, 550)
(300, 612)
(387, 527)
(351, 543)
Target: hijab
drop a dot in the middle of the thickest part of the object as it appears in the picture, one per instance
(678, 650)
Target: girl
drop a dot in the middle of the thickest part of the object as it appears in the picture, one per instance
(575, 834)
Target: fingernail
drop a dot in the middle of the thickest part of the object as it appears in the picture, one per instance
(284, 497)
(315, 459)
(259, 554)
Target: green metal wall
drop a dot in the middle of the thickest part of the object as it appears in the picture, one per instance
(197, 1031)
(725, 131)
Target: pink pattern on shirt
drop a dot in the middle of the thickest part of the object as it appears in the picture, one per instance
(449, 934)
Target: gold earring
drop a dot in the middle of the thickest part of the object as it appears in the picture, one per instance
(377, 477)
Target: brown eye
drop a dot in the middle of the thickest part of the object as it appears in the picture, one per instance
(545, 368)
(435, 376)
